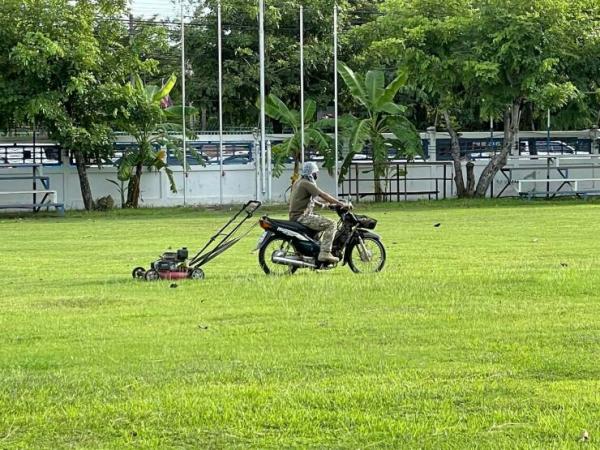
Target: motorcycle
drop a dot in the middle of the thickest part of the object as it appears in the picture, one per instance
(287, 246)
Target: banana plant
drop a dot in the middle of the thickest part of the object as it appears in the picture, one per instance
(156, 131)
(383, 125)
(292, 147)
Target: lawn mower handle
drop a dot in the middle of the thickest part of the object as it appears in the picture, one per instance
(251, 207)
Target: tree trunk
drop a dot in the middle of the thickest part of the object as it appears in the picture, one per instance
(203, 121)
(470, 178)
(84, 182)
(512, 117)
(296, 172)
(379, 166)
(133, 189)
(461, 191)
(379, 197)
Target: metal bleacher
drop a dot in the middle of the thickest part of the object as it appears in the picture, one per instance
(21, 163)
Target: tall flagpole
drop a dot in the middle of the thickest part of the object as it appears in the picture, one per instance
(261, 46)
(335, 88)
(220, 51)
(302, 84)
(184, 138)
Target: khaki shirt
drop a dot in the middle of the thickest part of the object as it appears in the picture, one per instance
(303, 191)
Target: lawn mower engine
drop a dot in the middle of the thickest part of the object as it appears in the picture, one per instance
(171, 261)
(170, 266)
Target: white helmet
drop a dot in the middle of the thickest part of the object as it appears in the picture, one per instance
(309, 168)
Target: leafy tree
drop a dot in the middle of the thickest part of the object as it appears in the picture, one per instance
(432, 43)
(292, 147)
(579, 59)
(65, 65)
(240, 53)
(155, 129)
(482, 58)
(382, 116)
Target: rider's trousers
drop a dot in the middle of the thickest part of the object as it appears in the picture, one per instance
(320, 223)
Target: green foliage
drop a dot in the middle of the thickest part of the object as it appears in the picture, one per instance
(475, 57)
(240, 53)
(469, 60)
(383, 117)
(64, 67)
(314, 137)
(156, 131)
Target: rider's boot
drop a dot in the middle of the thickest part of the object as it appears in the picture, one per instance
(327, 257)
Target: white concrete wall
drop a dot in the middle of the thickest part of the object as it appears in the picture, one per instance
(202, 187)
(240, 182)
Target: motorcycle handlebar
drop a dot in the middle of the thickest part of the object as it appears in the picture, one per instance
(342, 209)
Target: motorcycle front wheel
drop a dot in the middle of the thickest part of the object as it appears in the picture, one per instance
(367, 256)
(265, 255)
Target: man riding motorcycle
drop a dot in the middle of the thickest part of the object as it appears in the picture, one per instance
(305, 195)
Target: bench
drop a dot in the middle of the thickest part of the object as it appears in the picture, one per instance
(573, 182)
(47, 197)
(45, 192)
(60, 207)
(45, 180)
(35, 205)
(553, 194)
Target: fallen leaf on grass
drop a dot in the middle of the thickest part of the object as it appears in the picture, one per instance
(585, 436)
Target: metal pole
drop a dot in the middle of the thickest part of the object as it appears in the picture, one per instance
(270, 173)
(302, 83)
(185, 168)
(335, 88)
(548, 154)
(220, 51)
(261, 45)
(257, 165)
(492, 148)
(548, 134)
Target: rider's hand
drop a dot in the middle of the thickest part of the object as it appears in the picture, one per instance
(346, 206)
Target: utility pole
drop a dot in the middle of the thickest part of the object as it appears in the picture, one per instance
(302, 84)
(185, 165)
(261, 45)
(220, 50)
(335, 88)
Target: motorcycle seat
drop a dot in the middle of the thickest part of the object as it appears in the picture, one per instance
(294, 226)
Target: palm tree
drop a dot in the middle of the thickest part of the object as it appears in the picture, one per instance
(385, 127)
(152, 126)
(292, 147)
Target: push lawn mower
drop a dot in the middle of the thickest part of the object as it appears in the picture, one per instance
(177, 265)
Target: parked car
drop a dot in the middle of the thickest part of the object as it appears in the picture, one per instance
(545, 148)
(191, 160)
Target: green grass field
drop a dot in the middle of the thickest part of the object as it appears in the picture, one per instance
(482, 333)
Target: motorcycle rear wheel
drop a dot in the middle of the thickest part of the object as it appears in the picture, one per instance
(265, 254)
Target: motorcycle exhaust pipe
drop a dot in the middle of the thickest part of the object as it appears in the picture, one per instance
(293, 262)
